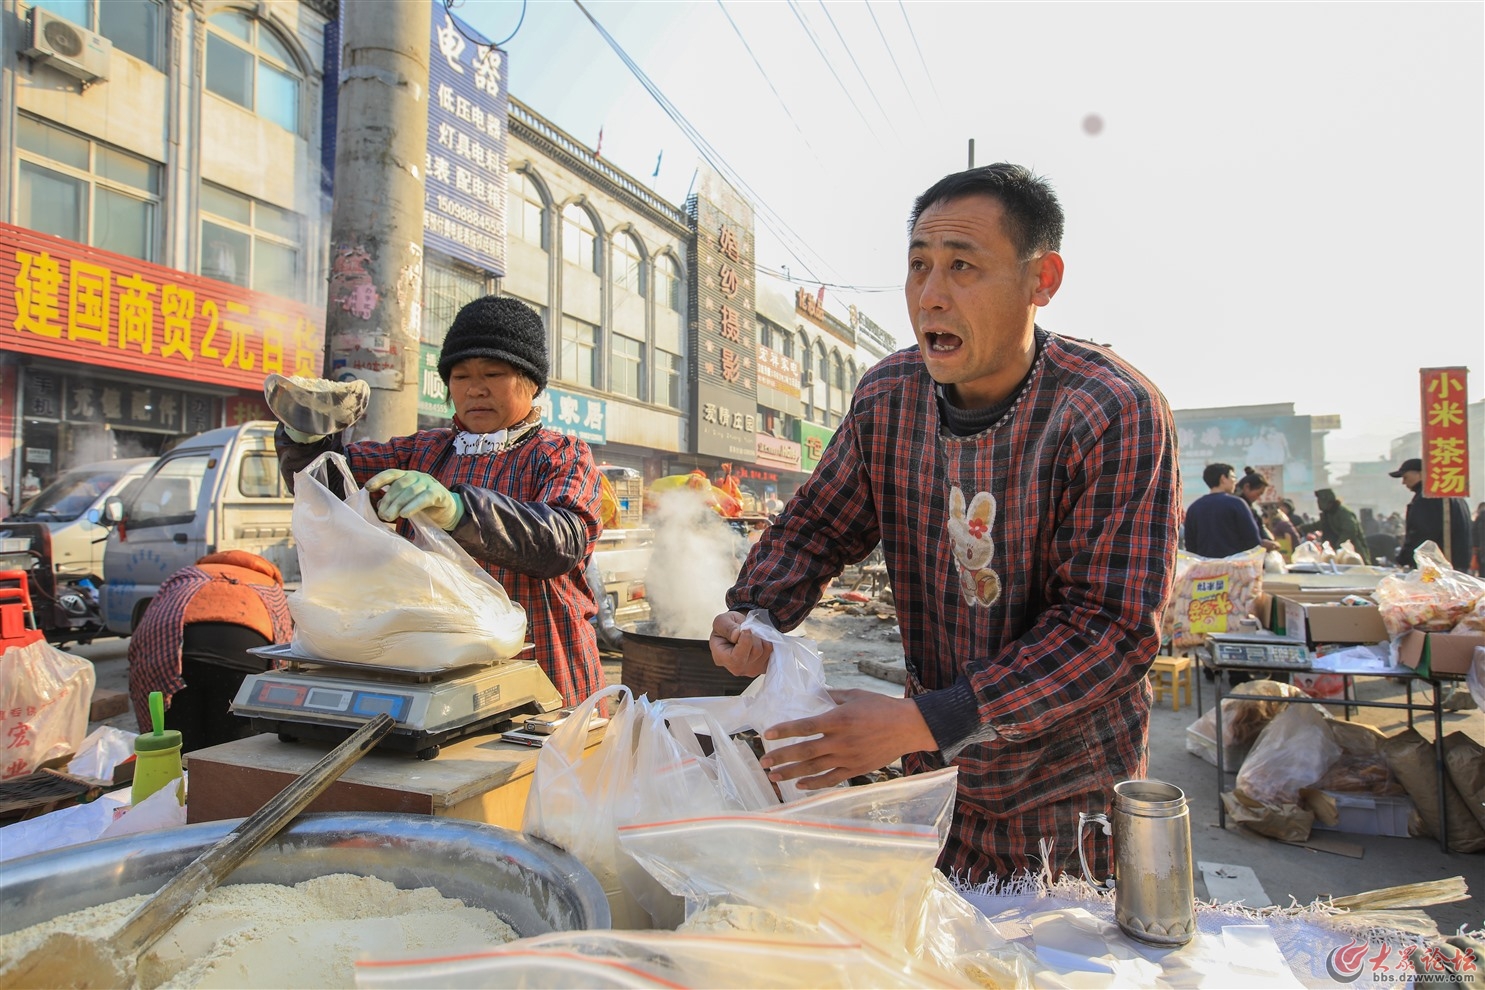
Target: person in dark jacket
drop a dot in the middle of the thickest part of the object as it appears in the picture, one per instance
(1477, 537)
(523, 500)
(1219, 523)
(1425, 520)
(1339, 524)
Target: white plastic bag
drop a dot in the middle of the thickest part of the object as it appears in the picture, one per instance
(369, 596)
(45, 696)
(1292, 752)
(792, 687)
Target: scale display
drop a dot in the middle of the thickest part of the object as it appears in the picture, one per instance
(289, 697)
(1259, 653)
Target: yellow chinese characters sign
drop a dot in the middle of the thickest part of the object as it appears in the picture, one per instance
(1446, 436)
(69, 301)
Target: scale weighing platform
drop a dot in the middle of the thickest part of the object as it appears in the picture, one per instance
(1240, 649)
(325, 700)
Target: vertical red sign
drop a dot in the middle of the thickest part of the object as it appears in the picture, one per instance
(1446, 441)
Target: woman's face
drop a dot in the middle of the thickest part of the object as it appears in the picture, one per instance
(490, 394)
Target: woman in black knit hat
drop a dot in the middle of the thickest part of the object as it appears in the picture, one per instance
(521, 499)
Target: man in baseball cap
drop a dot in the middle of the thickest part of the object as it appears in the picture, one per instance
(1425, 519)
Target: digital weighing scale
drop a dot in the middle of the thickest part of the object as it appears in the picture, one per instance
(326, 700)
(1238, 649)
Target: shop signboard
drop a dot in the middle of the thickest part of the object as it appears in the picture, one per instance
(779, 372)
(722, 321)
(1446, 435)
(464, 214)
(60, 299)
(813, 439)
(776, 452)
(581, 416)
(1278, 444)
(433, 394)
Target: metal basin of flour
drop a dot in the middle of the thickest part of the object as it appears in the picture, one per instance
(532, 885)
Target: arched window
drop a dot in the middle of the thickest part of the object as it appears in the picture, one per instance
(526, 214)
(579, 238)
(822, 384)
(627, 260)
(247, 63)
(668, 283)
(839, 367)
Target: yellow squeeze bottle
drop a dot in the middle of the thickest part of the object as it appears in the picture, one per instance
(156, 756)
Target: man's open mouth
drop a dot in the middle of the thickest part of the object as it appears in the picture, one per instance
(943, 342)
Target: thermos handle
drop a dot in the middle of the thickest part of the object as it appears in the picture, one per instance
(1084, 820)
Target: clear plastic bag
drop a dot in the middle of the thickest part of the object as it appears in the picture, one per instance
(1211, 594)
(600, 959)
(863, 855)
(369, 596)
(1433, 597)
(1292, 752)
(45, 695)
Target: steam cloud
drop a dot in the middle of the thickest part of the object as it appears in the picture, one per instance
(692, 565)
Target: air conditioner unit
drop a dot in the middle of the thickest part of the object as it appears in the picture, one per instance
(65, 46)
(808, 380)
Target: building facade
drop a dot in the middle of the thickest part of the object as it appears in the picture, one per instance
(158, 215)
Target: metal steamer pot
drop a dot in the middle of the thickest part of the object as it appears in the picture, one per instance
(532, 885)
(672, 667)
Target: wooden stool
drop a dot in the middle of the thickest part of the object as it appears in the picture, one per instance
(1171, 674)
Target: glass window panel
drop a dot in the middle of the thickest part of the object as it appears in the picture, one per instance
(577, 351)
(224, 253)
(124, 224)
(53, 142)
(579, 240)
(132, 25)
(272, 45)
(169, 496)
(235, 23)
(275, 221)
(275, 269)
(75, 11)
(52, 203)
(278, 96)
(128, 170)
(667, 380)
(225, 203)
(445, 290)
(628, 366)
(229, 71)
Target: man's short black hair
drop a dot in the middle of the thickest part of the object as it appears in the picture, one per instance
(1212, 474)
(1033, 217)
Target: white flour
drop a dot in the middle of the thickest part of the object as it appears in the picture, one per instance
(266, 935)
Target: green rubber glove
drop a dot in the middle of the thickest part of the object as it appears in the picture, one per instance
(407, 492)
(298, 437)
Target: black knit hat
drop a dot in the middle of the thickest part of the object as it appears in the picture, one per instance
(497, 327)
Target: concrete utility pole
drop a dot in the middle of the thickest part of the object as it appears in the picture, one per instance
(376, 229)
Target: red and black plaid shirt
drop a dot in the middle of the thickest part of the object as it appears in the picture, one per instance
(1086, 498)
(550, 468)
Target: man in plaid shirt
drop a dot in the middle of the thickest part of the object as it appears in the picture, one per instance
(521, 499)
(1024, 489)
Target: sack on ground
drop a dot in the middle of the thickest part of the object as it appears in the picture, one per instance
(45, 696)
(369, 596)
(1292, 752)
(1411, 759)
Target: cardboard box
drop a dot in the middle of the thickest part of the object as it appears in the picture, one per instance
(1199, 743)
(1330, 622)
(1447, 653)
(1369, 814)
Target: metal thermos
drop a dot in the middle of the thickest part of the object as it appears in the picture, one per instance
(1154, 887)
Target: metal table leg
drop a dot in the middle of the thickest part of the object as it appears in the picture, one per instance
(1438, 758)
(1221, 767)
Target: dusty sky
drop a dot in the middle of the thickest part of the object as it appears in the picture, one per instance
(1284, 202)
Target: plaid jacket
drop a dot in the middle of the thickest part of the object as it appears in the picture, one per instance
(1029, 565)
(550, 469)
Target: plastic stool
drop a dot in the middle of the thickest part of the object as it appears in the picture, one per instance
(1171, 674)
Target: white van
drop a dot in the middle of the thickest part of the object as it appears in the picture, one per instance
(217, 491)
(63, 537)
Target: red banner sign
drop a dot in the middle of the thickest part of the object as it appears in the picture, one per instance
(65, 300)
(1446, 435)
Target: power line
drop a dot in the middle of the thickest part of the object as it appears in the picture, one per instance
(449, 6)
(903, 79)
(852, 56)
(826, 60)
(829, 285)
(914, 35)
(769, 218)
(764, 74)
